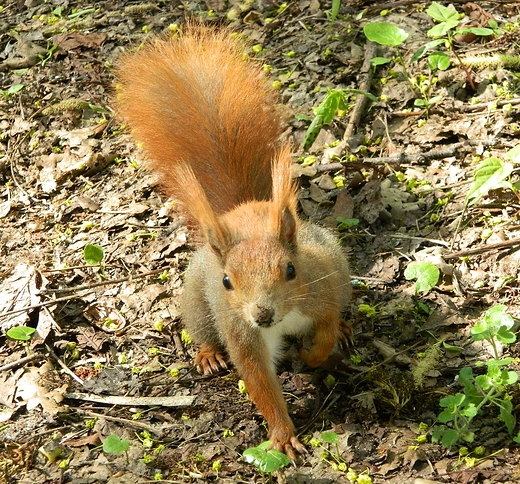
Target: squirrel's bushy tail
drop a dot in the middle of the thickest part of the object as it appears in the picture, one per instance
(198, 105)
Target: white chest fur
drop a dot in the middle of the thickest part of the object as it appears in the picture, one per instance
(293, 324)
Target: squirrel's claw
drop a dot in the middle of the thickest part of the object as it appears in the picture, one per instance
(210, 361)
(346, 334)
(290, 447)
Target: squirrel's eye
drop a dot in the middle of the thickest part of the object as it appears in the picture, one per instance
(290, 272)
(227, 283)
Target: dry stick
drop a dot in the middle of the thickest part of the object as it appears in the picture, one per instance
(20, 362)
(40, 305)
(366, 74)
(402, 158)
(154, 429)
(77, 288)
(481, 250)
(64, 366)
(103, 283)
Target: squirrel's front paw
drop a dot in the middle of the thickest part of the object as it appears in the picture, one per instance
(287, 443)
(209, 361)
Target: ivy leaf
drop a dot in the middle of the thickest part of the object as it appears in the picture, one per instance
(506, 415)
(449, 437)
(266, 460)
(426, 275)
(441, 13)
(114, 445)
(384, 33)
(330, 437)
(513, 154)
(379, 61)
(440, 30)
(93, 254)
(480, 31)
(425, 48)
(20, 333)
(490, 174)
(439, 61)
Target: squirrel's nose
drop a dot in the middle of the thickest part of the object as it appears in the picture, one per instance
(263, 316)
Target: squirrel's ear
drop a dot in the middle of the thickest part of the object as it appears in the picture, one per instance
(284, 221)
(196, 202)
(217, 237)
(288, 226)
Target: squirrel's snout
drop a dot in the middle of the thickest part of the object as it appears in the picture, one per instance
(263, 316)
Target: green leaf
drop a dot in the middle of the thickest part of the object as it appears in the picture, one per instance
(20, 333)
(513, 154)
(437, 433)
(329, 106)
(445, 416)
(330, 437)
(490, 174)
(425, 48)
(484, 382)
(441, 13)
(470, 411)
(495, 321)
(266, 460)
(426, 275)
(379, 61)
(312, 133)
(440, 30)
(114, 445)
(509, 377)
(439, 61)
(93, 254)
(15, 88)
(449, 437)
(506, 336)
(481, 31)
(506, 415)
(384, 33)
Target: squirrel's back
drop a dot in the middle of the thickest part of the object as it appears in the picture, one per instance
(197, 104)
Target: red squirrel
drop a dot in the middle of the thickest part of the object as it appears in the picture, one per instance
(209, 123)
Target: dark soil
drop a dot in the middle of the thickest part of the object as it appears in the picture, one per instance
(71, 175)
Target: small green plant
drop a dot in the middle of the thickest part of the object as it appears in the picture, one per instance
(390, 35)
(115, 445)
(12, 90)
(334, 100)
(93, 255)
(492, 174)
(425, 274)
(488, 389)
(266, 460)
(22, 334)
(346, 223)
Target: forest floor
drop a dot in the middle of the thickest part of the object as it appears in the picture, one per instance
(109, 358)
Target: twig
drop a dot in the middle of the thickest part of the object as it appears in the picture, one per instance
(482, 250)
(20, 362)
(154, 429)
(402, 158)
(41, 305)
(175, 402)
(366, 74)
(103, 283)
(63, 365)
